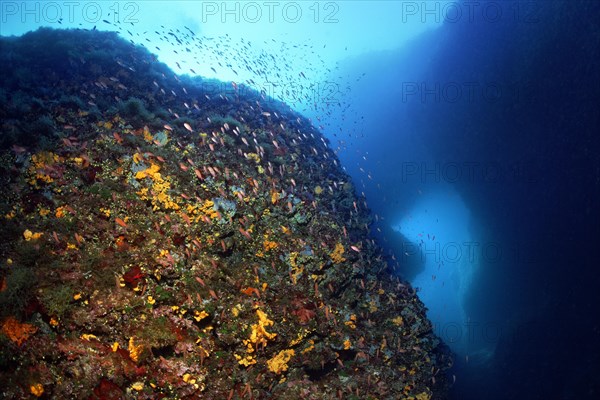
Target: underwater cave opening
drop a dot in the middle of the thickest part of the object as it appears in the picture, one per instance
(438, 233)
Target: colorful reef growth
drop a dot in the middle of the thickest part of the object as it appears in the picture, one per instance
(159, 241)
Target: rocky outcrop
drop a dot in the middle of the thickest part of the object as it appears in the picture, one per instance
(162, 240)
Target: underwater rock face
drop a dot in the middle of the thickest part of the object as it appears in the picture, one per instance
(161, 241)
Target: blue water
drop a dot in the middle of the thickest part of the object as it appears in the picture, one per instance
(474, 124)
(438, 231)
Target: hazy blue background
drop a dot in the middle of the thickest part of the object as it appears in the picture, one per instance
(471, 129)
